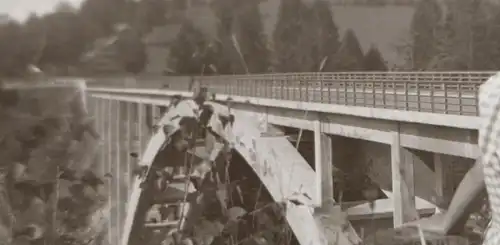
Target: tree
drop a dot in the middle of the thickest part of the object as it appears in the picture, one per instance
(148, 14)
(251, 40)
(292, 37)
(350, 56)
(63, 41)
(423, 31)
(467, 37)
(327, 37)
(102, 15)
(373, 60)
(493, 47)
(131, 51)
(446, 56)
(14, 58)
(188, 50)
(227, 42)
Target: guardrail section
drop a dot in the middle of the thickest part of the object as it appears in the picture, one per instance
(435, 92)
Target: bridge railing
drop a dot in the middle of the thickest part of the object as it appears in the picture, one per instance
(435, 92)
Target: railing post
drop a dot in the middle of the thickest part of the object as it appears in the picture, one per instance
(407, 103)
(445, 98)
(384, 100)
(394, 92)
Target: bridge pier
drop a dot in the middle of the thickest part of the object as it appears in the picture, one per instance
(403, 184)
(323, 166)
(439, 176)
(121, 127)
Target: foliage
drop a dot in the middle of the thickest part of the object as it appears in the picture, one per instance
(39, 137)
(148, 14)
(56, 52)
(188, 50)
(57, 40)
(11, 32)
(228, 61)
(241, 43)
(463, 38)
(423, 31)
(327, 37)
(373, 60)
(131, 51)
(291, 52)
(306, 37)
(350, 56)
(250, 39)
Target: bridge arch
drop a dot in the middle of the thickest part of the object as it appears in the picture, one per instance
(281, 169)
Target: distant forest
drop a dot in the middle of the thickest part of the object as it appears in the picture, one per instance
(444, 35)
(374, 2)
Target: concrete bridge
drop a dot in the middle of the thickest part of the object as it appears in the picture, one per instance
(403, 125)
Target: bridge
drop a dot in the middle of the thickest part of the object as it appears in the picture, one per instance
(402, 124)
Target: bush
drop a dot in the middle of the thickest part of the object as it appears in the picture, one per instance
(41, 133)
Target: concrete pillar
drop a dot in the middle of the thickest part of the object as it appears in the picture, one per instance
(141, 126)
(100, 116)
(107, 161)
(118, 171)
(129, 123)
(439, 176)
(148, 116)
(323, 166)
(136, 128)
(403, 184)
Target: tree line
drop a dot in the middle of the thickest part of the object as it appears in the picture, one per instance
(305, 39)
(444, 35)
(57, 40)
(454, 35)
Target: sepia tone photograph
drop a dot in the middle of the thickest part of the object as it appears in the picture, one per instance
(249, 122)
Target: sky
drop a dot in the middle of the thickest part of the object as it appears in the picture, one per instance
(20, 9)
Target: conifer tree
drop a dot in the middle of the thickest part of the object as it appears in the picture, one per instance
(423, 31)
(187, 50)
(373, 60)
(251, 39)
(288, 36)
(327, 41)
(350, 56)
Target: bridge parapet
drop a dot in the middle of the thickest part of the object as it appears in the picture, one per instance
(434, 92)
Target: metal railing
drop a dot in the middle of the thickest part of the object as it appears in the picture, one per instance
(435, 92)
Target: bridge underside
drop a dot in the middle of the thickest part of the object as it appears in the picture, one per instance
(289, 179)
(310, 206)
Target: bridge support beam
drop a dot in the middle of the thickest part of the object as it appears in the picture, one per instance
(129, 122)
(403, 184)
(439, 176)
(108, 162)
(323, 166)
(118, 165)
(142, 127)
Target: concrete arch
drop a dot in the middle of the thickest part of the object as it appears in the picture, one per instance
(279, 166)
(281, 169)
